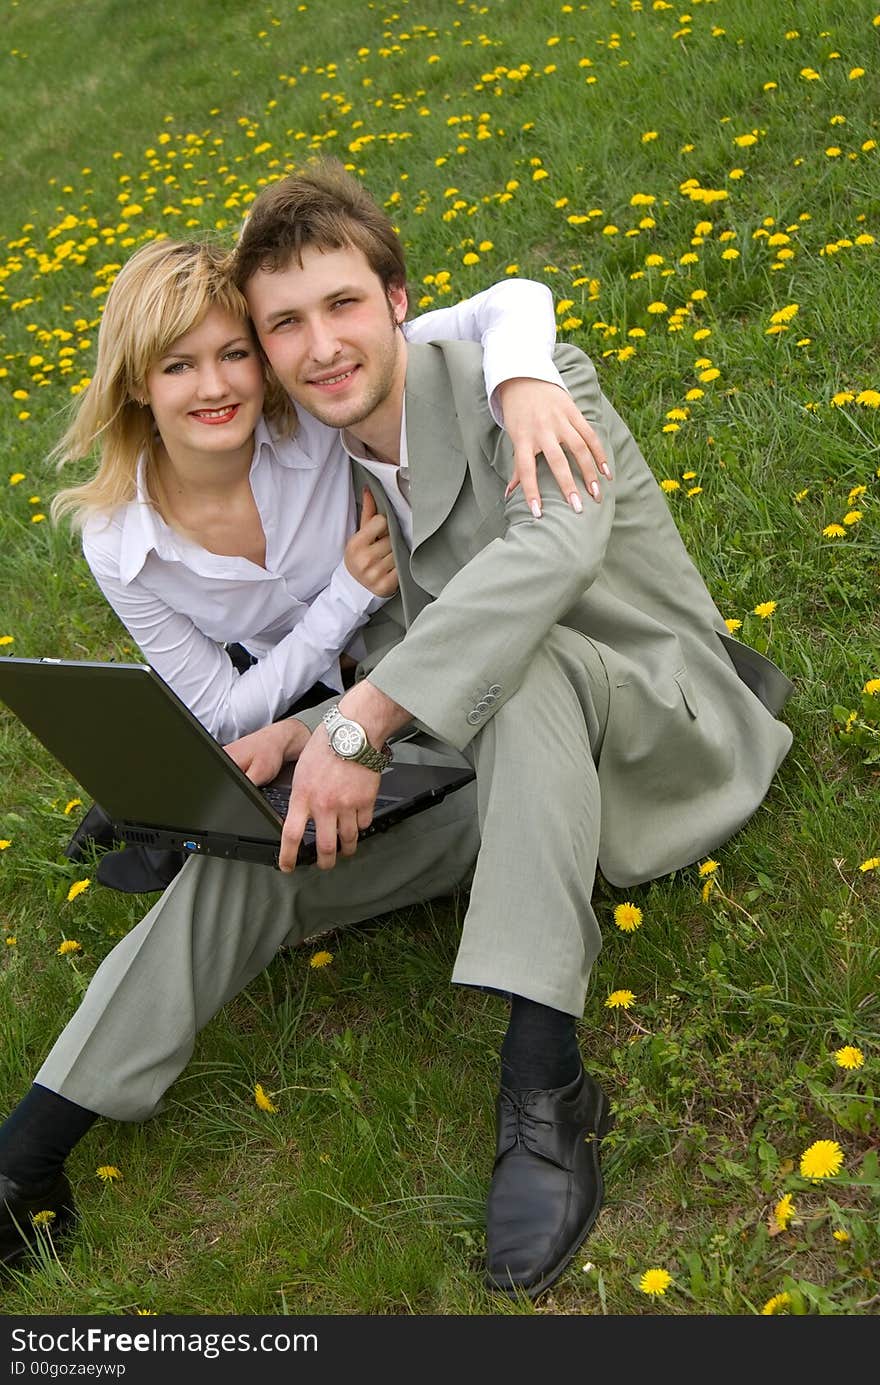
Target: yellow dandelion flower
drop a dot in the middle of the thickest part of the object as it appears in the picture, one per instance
(74, 803)
(108, 1173)
(470, 258)
(855, 73)
(620, 1000)
(44, 1218)
(669, 485)
(706, 891)
(870, 398)
(16, 478)
(784, 1212)
(733, 624)
(707, 376)
(779, 1303)
(849, 1057)
(873, 862)
(5, 842)
(69, 945)
(695, 490)
(320, 959)
(37, 519)
(694, 394)
(11, 942)
(77, 888)
(872, 686)
(855, 493)
(853, 516)
(764, 609)
(823, 1159)
(842, 397)
(707, 868)
(801, 495)
(628, 917)
(833, 531)
(655, 1282)
(7, 639)
(262, 1101)
(657, 308)
(840, 1235)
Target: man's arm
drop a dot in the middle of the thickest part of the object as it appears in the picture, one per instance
(485, 625)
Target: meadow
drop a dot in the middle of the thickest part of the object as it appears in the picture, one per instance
(700, 188)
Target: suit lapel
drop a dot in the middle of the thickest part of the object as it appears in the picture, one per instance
(435, 455)
(410, 598)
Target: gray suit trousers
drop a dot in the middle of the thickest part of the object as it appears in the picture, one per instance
(525, 837)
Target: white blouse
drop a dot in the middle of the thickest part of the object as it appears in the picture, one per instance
(182, 604)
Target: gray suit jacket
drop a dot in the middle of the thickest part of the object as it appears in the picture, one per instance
(692, 740)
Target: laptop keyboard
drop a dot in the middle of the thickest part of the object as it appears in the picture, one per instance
(279, 799)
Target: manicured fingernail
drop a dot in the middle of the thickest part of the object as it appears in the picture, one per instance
(535, 508)
(594, 489)
(575, 502)
(606, 470)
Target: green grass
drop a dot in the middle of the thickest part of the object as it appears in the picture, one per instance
(364, 1192)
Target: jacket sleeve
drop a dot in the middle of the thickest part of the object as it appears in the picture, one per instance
(468, 650)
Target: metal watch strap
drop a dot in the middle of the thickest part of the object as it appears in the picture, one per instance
(368, 755)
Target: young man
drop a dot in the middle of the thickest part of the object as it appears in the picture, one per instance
(576, 660)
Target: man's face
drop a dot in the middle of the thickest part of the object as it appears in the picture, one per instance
(329, 331)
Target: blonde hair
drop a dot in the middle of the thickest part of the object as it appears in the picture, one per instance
(160, 294)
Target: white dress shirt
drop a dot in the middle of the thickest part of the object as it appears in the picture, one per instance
(182, 603)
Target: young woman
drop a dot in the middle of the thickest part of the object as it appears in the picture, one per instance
(222, 531)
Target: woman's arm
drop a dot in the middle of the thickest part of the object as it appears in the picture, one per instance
(515, 322)
(200, 671)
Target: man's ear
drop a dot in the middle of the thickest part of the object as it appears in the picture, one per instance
(397, 297)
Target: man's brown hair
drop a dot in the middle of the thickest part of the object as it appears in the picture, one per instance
(322, 207)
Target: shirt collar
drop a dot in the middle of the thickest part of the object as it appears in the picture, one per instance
(145, 531)
(359, 453)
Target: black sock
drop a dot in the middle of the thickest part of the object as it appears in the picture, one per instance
(39, 1134)
(540, 1048)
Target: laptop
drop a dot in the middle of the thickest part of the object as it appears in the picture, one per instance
(122, 734)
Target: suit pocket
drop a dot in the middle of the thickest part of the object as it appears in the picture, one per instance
(686, 688)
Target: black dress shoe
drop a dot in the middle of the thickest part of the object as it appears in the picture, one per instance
(546, 1188)
(21, 1211)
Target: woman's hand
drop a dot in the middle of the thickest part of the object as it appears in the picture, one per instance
(261, 754)
(540, 417)
(368, 555)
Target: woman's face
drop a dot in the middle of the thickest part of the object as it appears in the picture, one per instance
(206, 391)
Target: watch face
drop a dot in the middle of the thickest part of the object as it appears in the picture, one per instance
(348, 739)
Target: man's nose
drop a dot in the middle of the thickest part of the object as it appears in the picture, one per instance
(323, 342)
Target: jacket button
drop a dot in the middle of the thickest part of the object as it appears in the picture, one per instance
(473, 717)
(495, 690)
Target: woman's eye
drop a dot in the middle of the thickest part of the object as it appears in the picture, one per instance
(239, 354)
(175, 368)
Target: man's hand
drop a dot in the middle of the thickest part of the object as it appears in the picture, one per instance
(261, 754)
(541, 417)
(368, 555)
(337, 795)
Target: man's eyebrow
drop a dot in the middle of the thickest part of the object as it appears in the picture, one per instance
(345, 291)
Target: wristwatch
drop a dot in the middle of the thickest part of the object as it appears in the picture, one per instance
(348, 740)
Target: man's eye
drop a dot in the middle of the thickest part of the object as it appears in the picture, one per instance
(284, 322)
(342, 302)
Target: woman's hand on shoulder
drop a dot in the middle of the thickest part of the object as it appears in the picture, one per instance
(542, 418)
